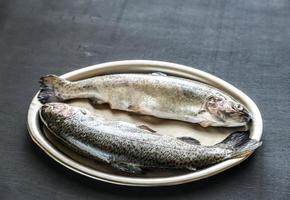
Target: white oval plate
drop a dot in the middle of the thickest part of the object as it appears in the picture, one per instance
(156, 178)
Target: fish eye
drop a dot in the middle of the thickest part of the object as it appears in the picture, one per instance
(239, 107)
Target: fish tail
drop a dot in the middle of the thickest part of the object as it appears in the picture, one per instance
(51, 88)
(246, 149)
(241, 144)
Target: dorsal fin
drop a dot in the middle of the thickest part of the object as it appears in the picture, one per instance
(189, 140)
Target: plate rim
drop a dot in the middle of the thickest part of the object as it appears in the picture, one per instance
(69, 163)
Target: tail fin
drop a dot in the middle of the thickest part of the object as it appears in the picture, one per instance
(241, 144)
(50, 87)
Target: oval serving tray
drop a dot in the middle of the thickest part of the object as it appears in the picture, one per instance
(105, 173)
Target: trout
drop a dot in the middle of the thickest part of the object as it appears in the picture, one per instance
(157, 95)
(135, 149)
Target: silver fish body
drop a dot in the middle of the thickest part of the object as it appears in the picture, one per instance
(156, 95)
(132, 148)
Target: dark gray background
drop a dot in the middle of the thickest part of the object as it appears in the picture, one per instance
(247, 43)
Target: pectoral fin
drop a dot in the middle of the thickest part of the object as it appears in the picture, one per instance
(201, 111)
(189, 140)
(135, 109)
(127, 167)
(96, 101)
(159, 74)
(191, 168)
(146, 128)
(205, 123)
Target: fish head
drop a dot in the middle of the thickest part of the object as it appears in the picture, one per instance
(227, 112)
(56, 112)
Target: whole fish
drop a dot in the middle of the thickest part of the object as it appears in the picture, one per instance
(157, 95)
(132, 148)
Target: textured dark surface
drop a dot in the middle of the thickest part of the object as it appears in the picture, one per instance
(247, 43)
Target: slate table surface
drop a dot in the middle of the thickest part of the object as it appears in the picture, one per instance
(245, 42)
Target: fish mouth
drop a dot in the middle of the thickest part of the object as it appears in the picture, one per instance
(234, 118)
(247, 117)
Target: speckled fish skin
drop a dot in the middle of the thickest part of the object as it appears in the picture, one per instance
(156, 95)
(129, 148)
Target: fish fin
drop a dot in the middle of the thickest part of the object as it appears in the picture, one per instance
(241, 144)
(95, 101)
(145, 127)
(205, 123)
(135, 109)
(159, 74)
(246, 149)
(131, 168)
(201, 111)
(189, 140)
(48, 88)
(235, 139)
(191, 168)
